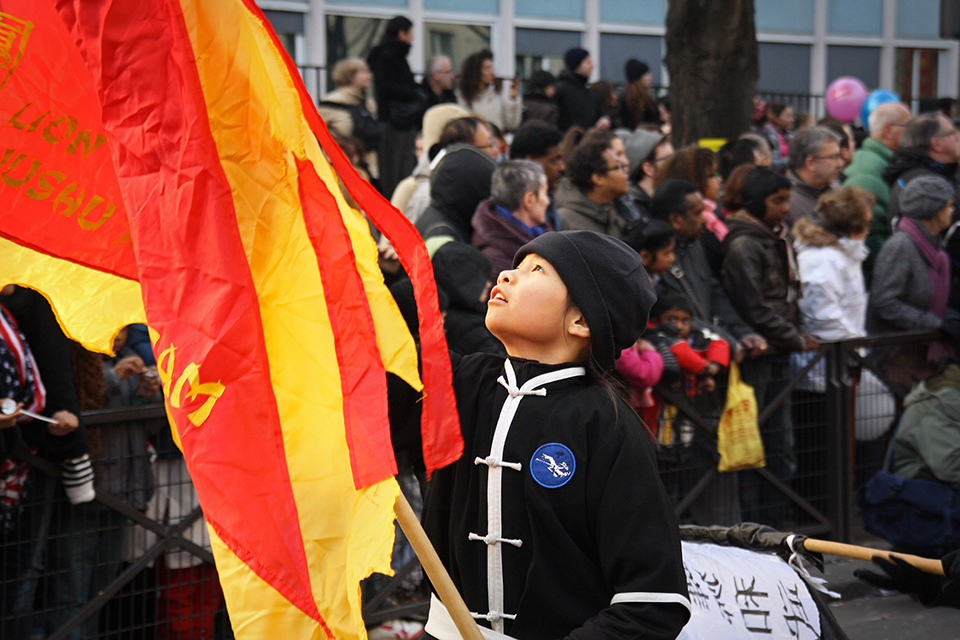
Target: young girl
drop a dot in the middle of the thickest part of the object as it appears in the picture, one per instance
(655, 242)
(641, 365)
(554, 523)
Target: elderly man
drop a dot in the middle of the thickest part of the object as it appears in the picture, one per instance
(438, 81)
(540, 142)
(887, 123)
(515, 214)
(815, 162)
(929, 146)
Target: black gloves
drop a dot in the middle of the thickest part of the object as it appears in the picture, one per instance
(932, 590)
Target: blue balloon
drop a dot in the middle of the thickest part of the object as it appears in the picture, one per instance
(876, 98)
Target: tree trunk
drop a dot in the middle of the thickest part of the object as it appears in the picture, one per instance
(713, 66)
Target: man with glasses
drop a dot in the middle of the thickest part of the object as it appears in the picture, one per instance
(592, 195)
(438, 81)
(929, 146)
(646, 150)
(887, 123)
(814, 164)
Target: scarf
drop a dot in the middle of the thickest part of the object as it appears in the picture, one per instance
(712, 221)
(939, 263)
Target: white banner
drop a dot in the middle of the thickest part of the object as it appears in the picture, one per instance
(740, 594)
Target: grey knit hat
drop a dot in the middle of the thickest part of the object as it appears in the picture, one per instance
(925, 196)
(606, 280)
(641, 144)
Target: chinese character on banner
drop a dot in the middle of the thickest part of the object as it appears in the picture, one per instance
(739, 593)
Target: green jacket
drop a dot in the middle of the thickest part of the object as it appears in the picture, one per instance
(866, 172)
(927, 444)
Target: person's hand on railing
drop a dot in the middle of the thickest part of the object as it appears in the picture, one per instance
(149, 383)
(129, 366)
(752, 345)
(810, 343)
(951, 325)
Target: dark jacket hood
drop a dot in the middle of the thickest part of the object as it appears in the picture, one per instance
(905, 160)
(459, 183)
(462, 273)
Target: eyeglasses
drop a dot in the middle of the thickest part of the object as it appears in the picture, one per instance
(620, 166)
(834, 156)
(944, 134)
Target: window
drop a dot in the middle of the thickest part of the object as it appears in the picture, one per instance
(569, 9)
(456, 41)
(859, 62)
(617, 48)
(777, 16)
(543, 49)
(633, 11)
(855, 17)
(916, 73)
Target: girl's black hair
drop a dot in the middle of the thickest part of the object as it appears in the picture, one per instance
(671, 301)
(615, 388)
(651, 236)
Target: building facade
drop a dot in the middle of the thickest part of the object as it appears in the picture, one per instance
(804, 44)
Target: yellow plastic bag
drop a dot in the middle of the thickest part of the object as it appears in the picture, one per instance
(738, 435)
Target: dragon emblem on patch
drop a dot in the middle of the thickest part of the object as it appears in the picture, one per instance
(553, 465)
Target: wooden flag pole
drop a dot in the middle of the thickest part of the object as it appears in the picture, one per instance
(447, 591)
(927, 565)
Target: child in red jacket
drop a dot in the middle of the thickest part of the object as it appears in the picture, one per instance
(699, 353)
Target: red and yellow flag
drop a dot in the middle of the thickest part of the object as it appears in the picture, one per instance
(272, 327)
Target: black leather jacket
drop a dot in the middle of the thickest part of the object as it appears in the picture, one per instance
(760, 276)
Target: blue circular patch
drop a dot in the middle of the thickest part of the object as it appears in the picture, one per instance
(552, 465)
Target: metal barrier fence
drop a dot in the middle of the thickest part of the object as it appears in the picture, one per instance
(109, 570)
(835, 410)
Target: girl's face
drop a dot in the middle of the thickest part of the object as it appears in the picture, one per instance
(785, 120)
(660, 261)
(528, 308)
(712, 183)
(486, 73)
(778, 206)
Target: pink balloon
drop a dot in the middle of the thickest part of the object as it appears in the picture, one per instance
(844, 97)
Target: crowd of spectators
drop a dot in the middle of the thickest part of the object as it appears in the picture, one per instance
(797, 232)
(785, 237)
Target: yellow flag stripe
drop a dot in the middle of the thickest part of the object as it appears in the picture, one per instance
(345, 532)
(90, 305)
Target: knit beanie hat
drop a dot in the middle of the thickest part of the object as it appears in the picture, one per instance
(634, 69)
(573, 57)
(606, 280)
(759, 184)
(925, 196)
(639, 145)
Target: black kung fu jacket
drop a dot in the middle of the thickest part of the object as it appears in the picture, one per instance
(585, 543)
